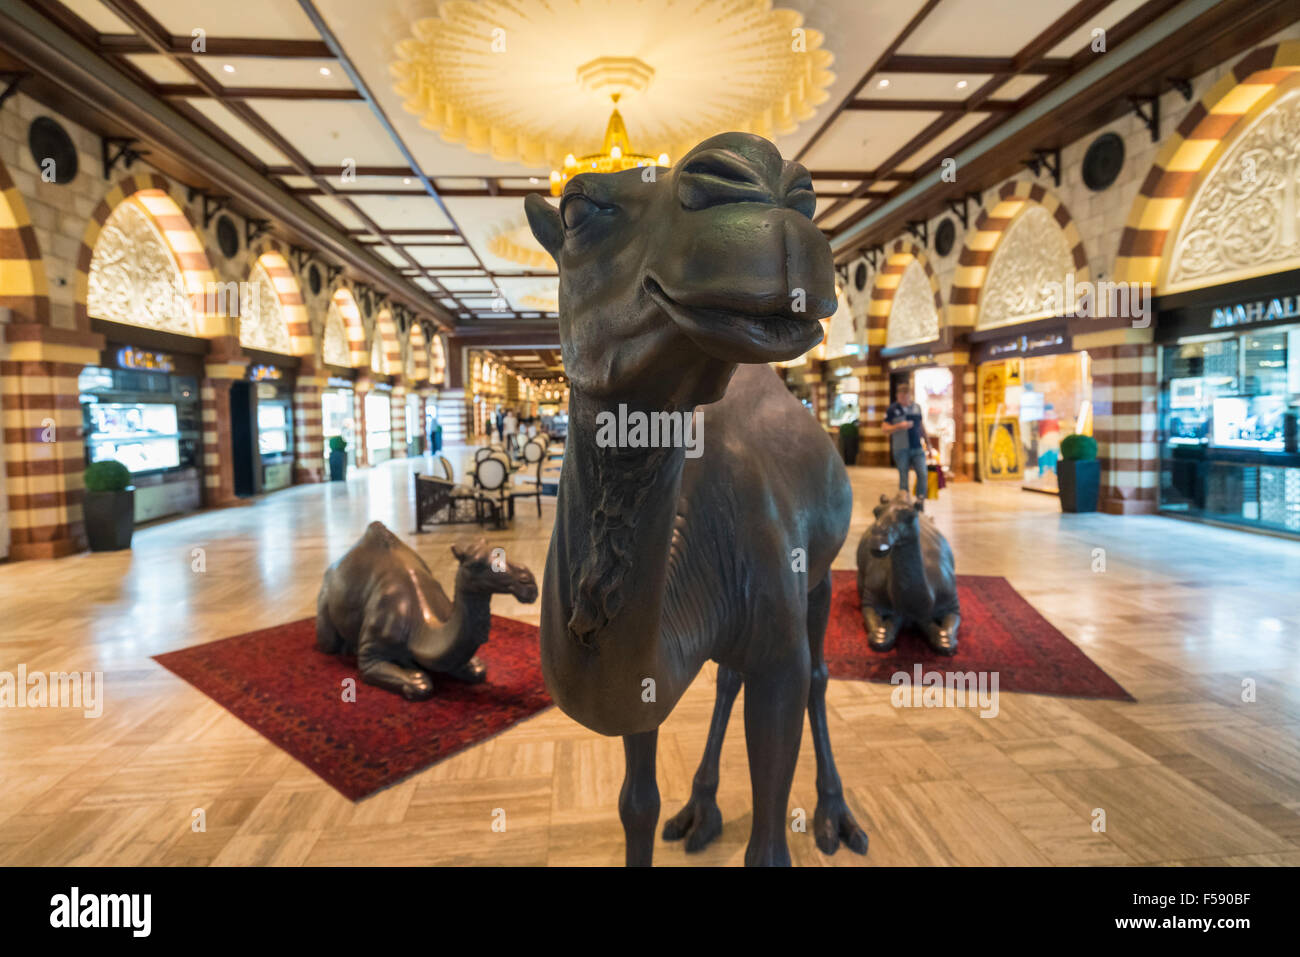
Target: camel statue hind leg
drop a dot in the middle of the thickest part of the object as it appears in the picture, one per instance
(699, 506)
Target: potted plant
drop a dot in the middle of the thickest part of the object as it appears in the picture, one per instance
(1079, 474)
(338, 458)
(109, 506)
(849, 442)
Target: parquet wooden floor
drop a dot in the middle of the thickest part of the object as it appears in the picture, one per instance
(1182, 615)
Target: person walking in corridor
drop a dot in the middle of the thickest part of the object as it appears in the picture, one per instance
(905, 426)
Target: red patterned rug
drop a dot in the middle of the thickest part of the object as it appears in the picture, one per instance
(362, 746)
(1000, 632)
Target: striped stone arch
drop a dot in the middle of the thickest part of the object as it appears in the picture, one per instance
(437, 361)
(346, 303)
(897, 258)
(158, 196)
(289, 293)
(1191, 150)
(982, 241)
(386, 330)
(419, 353)
(23, 288)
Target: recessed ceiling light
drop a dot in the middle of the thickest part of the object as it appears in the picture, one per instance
(883, 83)
(961, 84)
(844, 185)
(406, 180)
(533, 180)
(228, 68)
(324, 71)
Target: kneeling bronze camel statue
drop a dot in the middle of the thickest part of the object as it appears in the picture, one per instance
(906, 577)
(381, 603)
(669, 281)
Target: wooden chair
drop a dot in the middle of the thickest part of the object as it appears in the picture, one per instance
(491, 476)
(530, 488)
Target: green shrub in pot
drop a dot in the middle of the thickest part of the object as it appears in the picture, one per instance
(338, 458)
(108, 506)
(1078, 474)
(849, 442)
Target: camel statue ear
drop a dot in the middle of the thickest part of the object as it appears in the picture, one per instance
(458, 552)
(884, 499)
(544, 220)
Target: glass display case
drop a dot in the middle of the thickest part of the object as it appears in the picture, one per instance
(145, 437)
(1228, 404)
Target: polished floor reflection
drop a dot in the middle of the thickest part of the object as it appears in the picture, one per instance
(1189, 618)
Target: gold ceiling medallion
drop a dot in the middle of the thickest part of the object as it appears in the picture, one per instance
(512, 78)
(514, 242)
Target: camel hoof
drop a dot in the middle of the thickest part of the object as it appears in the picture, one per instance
(472, 672)
(881, 640)
(944, 644)
(833, 822)
(700, 821)
(418, 688)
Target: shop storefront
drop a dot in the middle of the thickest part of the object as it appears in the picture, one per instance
(1229, 403)
(416, 434)
(141, 407)
(338, 414)
(932, 388)
(379, 423)
(272, 384)
(1033, 390)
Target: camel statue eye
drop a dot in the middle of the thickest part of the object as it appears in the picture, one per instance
(576, 210)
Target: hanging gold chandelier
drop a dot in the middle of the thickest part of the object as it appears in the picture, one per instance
(615, 155)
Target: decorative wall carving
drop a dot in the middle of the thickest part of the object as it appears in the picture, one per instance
(334, 341)
(912, 317)
(1246, 214)
(1033, 258)
(262, 323)
(134, 278)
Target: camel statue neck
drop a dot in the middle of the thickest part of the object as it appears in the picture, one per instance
(614, 528)
(910, 585)
(444, 646)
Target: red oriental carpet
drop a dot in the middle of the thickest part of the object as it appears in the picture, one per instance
(277, 683)
(1000, 632)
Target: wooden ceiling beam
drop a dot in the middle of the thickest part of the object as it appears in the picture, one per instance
(965, 65)
(122, 44)
(172, 91)
(931, 106)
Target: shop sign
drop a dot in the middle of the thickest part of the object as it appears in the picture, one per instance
(339, 382)
(129, 357)
(911, 362)
(264, 373)
(1258, 311)
(1024, 345)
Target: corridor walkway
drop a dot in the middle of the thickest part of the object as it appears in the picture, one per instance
(1181, 615)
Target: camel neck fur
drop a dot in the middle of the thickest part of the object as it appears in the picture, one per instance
(614, 528)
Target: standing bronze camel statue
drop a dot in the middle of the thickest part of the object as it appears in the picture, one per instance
(659, 561)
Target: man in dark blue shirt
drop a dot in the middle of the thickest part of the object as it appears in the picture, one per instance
(905, 426)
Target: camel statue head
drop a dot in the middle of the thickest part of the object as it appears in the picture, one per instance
(485, 571)
(669, 278)
(898, 522)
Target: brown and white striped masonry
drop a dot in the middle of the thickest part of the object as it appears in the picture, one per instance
(397, 421)
(23, 288)
(386, 329)
(1189, 151)
(358, 357)
(1125, 400)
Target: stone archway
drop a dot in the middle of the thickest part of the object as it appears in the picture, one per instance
(1211, 127)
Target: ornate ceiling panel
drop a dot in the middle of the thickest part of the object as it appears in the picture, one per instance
(507, 77)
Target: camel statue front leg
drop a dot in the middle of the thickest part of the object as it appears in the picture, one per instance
(638, 802)
(942, 634)
(774, 704)
(882, 630)
(833, 821)
(700, 821)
